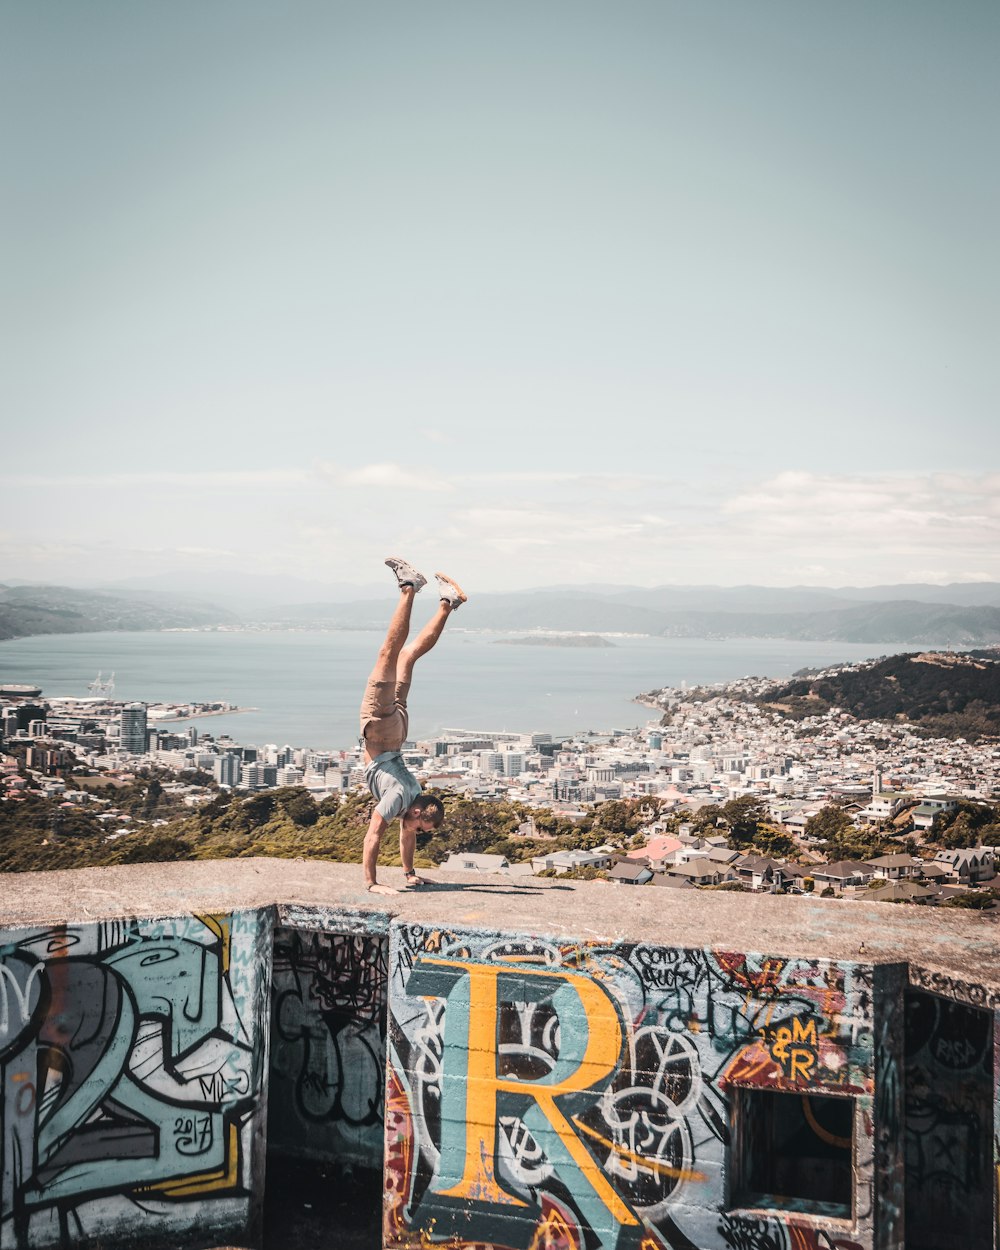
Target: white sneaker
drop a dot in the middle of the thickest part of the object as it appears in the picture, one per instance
(450, 591)
(406, 574)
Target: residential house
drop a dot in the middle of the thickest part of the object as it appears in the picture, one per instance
(841, 873)
(672, 882)
(626, 872)
(760, 872)
(657, 852)
(968, 866)
(934, 874)
(885, 806)
(895, 867)
(475, 861)
(923, 814)
(701, 871)
(902, 892)
(567, 861)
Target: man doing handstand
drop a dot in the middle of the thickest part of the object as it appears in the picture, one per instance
(385, 723)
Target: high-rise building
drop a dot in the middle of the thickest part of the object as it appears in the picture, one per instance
(226, 769)
(132, 736)
(27, 712)
(258, 776)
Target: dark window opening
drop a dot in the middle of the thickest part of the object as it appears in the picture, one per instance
(794, 1152)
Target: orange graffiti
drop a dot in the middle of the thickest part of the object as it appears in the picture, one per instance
(795, 1048)
(735, 964)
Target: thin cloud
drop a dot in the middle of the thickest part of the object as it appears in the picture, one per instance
(198, 479)
(205, 552)
(386, 477)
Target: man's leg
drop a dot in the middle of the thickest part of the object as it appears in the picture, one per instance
(423, 642)
(395, 637)
(382, 723)
(452, 597)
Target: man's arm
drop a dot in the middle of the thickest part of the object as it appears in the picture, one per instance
(407, 847)
(373, 839)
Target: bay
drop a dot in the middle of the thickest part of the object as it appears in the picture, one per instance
(305, 686)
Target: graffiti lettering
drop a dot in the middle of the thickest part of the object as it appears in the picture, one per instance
(193, 1134)
(476, 1097)
(795, 1048)
(139, 1049)
(21, 983)
(581, 1093)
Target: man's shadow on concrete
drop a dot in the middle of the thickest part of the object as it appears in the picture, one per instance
(483, 887)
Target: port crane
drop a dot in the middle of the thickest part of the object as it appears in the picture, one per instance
(103, 686)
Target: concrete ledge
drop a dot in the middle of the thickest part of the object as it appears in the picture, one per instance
(949, 952)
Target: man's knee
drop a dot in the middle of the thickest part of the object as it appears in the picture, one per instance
(387, 655)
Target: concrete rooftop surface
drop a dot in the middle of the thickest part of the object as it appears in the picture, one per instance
(955, 952)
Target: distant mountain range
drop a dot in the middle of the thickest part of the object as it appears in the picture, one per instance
(708, 612)
(962, 614)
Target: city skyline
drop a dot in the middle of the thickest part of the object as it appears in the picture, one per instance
(539, 295)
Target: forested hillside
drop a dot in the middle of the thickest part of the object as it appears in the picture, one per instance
(42, 834)
(942, 694)
(27, 610)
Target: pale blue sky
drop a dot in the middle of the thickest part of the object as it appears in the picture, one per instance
(541, 292)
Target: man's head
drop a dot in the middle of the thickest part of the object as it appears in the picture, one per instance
(426, 812)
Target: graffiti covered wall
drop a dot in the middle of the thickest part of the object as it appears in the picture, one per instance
(949, 1123)
(132, 1057)
(328, 1046)
(549, 1096)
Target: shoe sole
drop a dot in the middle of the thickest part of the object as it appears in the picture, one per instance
(419, 580)
(462, 596)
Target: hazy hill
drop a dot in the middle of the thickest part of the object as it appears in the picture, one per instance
(970, 617)
(575, 611)
(942, 695)
(892, 621)
(26, 610)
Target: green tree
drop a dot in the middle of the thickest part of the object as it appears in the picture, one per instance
(743, 817)
(153, 797)
(828, 823)
(623, 818)
(774, 842)
(298, 805)
(976, 900)
(706, 818)
(964, 826)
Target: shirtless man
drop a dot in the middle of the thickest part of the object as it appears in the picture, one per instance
(385, 723)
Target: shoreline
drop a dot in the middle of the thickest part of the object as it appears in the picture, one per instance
(221, 711)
